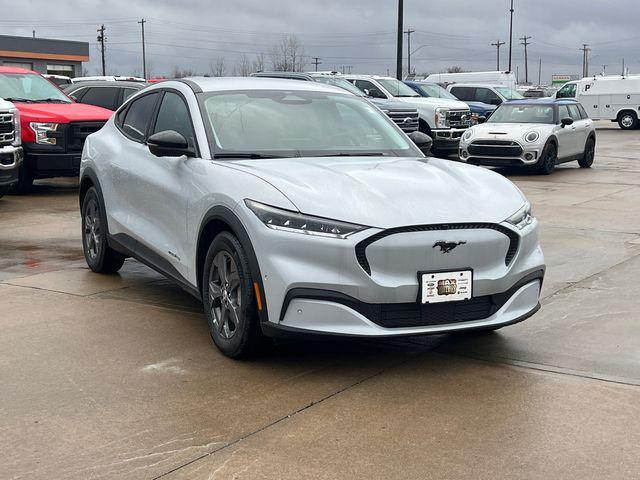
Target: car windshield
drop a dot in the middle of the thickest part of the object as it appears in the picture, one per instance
(339, 82)
(506, 113)
(397, 88)
(289, 123)
(436, 91)
(509, 93)
(28, 87)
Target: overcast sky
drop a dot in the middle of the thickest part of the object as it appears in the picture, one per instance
(193, 34)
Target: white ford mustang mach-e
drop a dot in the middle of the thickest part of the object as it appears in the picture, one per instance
(297, 207)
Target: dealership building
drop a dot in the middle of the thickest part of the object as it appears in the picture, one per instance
(44, 55)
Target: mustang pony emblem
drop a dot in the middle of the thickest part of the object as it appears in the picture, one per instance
(446, 247)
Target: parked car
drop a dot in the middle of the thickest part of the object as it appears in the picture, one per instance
(539, 133)
(10, 149)
(405, 117)
(443, 119)
(105, 94)
(504, 79)
(484, 93)
(53, 127)
(290, 206)
(59, 80)
(613, 97)
(434, 90)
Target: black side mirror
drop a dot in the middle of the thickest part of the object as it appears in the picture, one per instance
(565, 122)
(482, 119)
(169, 143)
(422, 141)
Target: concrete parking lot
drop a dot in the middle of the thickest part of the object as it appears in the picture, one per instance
(116, 376)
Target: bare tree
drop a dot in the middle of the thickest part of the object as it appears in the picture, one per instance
(176, 72)
(219, 68)
(243, 68)
(288, 55)
(258, 63)
(456, 69)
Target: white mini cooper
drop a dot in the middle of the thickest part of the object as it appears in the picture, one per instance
(540, 133)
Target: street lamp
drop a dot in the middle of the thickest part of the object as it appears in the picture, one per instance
(409, 53)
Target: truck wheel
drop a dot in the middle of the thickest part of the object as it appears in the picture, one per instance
(547, 162)
(229, 298)
(4, 191)
(589, 153)
(628, 120)
(99, 256)
(25, 180)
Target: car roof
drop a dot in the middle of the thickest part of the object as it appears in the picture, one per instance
(366, 77)
(7, 69)
(105, 83)
(470, 84)
(213, 84)
(543, 101)
(294, 75)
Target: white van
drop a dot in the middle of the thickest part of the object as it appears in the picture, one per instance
(614, 98)
(505, 79)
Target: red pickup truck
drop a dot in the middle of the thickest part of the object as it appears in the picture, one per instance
(54, 127)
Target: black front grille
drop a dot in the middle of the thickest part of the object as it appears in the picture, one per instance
(406, 120)
(361, 248)
(495, 148)
(78, 132)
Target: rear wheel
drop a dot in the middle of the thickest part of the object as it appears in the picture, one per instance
(589, 154)
(229, 298)
(25, 180)
(99, 256)
(547, 163)
(628, 120)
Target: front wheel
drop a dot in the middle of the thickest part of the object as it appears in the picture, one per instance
(229, 298)
(589, 154)
(548, 159)
(99, 256)
(25, 180)
(628, 121)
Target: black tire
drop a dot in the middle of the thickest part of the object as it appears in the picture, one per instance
(4, 191)
(547, 163)
(589, 154)
(99, 256)
(229, 300)
(25, 180)
(628, 120)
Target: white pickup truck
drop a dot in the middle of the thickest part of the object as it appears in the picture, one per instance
(443, 119)
(10, 149)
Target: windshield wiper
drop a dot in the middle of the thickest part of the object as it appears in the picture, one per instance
(51, 100)
(20, 100)
(352, 154)
(252, 156)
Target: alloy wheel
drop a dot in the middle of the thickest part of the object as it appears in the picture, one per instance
(92, 231)
(225, 294)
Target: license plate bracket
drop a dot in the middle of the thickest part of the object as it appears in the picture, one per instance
(445, 286)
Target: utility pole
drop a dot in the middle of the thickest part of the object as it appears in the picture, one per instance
(623, 72)
(510, 35)
(540, 72)
(498, 44)
(585, 59)
(399, 41)
(604, 69)
(525, 42)
(409, 32)
(144, 57)
(316, 62)
(101, 39)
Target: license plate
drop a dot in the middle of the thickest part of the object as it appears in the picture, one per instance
(446, 286)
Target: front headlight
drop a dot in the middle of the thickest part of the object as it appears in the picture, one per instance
(531, 136)
(441, 118)
(42, 130)
(522, 217)
(467, 135)
(17, 132)
(288, 221)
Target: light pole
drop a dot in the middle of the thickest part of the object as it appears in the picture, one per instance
(399, 41)
(510, 35)
(414, 51)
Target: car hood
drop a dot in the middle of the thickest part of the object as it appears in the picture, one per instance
(62, 112)
(434, 102)
(511, 131)
(389, 104)
(389, 192)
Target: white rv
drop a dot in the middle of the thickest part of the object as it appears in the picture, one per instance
(614, 98)
(505, 79)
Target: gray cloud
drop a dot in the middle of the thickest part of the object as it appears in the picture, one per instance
(194, 33)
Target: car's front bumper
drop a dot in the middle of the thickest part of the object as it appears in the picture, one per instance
(529, 155)
(321, 285)
(447, 138)
(10, 159)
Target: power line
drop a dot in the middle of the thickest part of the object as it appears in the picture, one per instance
(585, 59)
(497, 45)
(525, 42)
(316, 62)
(409, 31)
(101, 39)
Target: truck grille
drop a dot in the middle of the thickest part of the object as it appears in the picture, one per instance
(495, 148)
(78, 132)
(407, 120)
(459, 118)
(7, 128)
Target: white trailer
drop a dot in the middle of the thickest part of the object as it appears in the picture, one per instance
(613, 97)
(506, 79)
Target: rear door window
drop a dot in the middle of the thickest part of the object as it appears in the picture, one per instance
(138, 117)
(463, 93)
(105, 97)
(486, 95)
